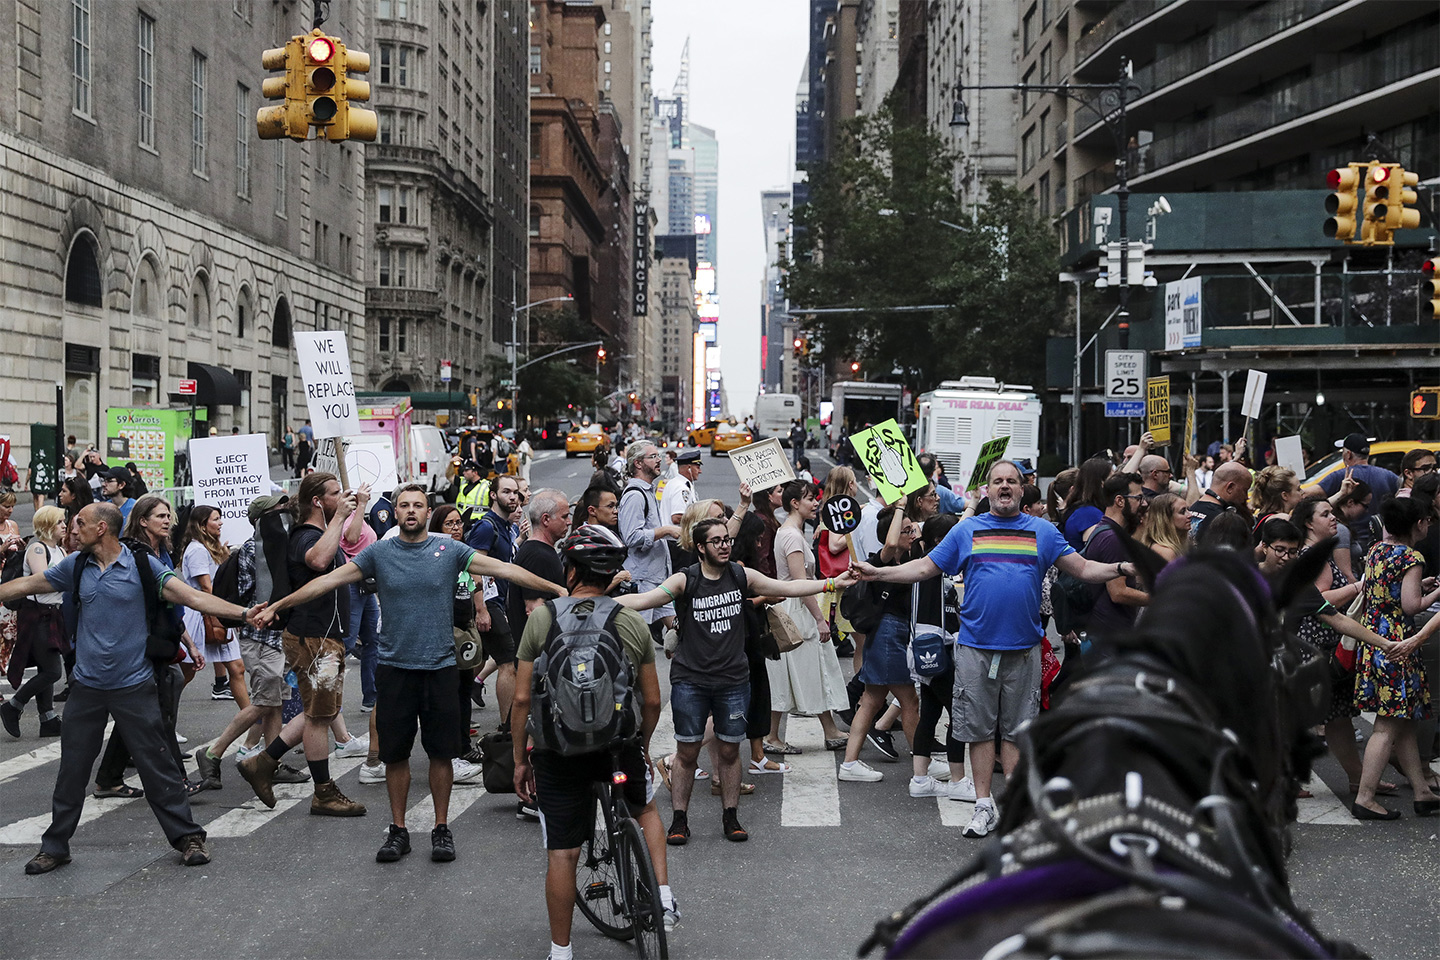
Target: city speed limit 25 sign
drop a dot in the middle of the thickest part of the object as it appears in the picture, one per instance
(1124, 374)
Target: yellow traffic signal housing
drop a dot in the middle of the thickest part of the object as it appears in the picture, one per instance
(1429, 291)
(1342, 204)
(320, 68)
(287, 119)
(1377, 194)
(1400, 199)
(353, 123)
(1425, 403)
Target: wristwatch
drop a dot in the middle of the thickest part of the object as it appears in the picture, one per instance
(1118, 571)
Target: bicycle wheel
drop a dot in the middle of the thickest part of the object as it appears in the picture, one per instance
(637, 874)
(598, 893)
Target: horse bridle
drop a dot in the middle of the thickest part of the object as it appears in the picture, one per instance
(1135, 830)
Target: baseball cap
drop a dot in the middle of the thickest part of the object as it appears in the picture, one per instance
(1356, 443)
(116, 473)
(263, 505)
(1026, 469)
(469, 465)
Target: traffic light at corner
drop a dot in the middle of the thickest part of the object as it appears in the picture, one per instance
(1369, 202)
(1429, 289)
(1344, 201)
(1425, 403)
(317, 91)
(600, 354)
(801, 346)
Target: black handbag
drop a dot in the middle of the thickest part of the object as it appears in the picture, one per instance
(497, 762)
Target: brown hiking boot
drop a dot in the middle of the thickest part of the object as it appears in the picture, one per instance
(259, 772)
(330, 802)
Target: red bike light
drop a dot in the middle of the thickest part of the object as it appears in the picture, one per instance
(618, 778)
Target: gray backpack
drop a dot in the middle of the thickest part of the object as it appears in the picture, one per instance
(583, 688)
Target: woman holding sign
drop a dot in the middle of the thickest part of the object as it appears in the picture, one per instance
(806, 679)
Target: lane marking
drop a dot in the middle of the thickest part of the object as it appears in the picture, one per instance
(49, 753)
(420, 818)
(1324, 807)
(28, 832)
(811, 797)
(954, 813)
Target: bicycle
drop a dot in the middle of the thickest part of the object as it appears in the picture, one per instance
(615, 885)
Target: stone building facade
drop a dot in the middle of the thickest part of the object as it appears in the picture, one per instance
(147, 235)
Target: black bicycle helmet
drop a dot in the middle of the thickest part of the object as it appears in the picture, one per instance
(595, 548)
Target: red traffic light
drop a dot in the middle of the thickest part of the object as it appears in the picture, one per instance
(600, 354)
(1380, 174)
(321, 49)
(799, 343)
(1428, 268)
(855, 366)
(1425, 403)
(1417, 404)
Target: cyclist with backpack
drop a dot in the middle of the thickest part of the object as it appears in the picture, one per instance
(586, 656)
(710, 674)
(415, 681)
(111, 600)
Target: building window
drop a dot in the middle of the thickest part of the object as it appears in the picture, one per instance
(534, 221)
(607, 83)
(385, 195)
(607, 29)
(402, 67)
(402, 207)
(402, 338)
(607, 46)
(1027, 150)
(280, 191)
(607, 66)
(1025, 95)
(146, 301)
(242, 314)
(280, 324)
(80, 56)
(144, 378)
(1028, 29)
(200, 301)
(534, 59)
(145, 93)
(387, 54)
(1044, 132)
(1043, 187)
(393, 9)
(1046, 61)
(197, 112)
(384, 344)
(242, 9)
(395, 65)
(242, 141)
(82, 273)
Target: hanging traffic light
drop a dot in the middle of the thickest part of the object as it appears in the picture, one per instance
(352, 123)
(798, 345)
(1400, 199)
(1429, 290)
(287, 119)
(1341, 205)
(855, 366)
(1425, 403)
(319, 65)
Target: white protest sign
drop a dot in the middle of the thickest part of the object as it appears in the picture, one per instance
(1254, 394)
(368, 459)
(329, 387)
(762, 465)
(229, 472)
(1288, 453)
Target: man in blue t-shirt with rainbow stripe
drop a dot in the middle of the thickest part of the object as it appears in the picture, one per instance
(1003, 555)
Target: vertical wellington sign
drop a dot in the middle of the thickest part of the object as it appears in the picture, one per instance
(642, 258)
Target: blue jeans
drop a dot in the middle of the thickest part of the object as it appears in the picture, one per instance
(364, 621)
(691, 703)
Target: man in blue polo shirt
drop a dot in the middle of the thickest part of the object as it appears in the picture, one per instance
(114, 678)
(494, 536)
(1004, 555)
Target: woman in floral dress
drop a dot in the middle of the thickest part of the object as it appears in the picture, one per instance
(1393, 685)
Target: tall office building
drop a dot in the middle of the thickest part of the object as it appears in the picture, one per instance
(775, 344)
(149, 236)
(705, 200)
(877, 29)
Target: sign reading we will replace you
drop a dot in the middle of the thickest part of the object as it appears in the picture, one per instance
(329, 386)
(229, 472)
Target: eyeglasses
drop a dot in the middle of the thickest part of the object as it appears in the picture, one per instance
(651, 456)
(1422, 468)
(1284, 553)
(457, 522)
(720, 541)
(1133, 496)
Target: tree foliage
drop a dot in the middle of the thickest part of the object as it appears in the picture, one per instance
(547, 388)
(873, 236)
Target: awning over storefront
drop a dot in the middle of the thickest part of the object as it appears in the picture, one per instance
(215, 386)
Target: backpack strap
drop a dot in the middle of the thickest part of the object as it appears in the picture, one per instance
(645, 498)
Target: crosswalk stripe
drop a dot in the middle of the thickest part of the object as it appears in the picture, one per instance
(28, 832)
(954, 813)
(662, 741)
(811, 797)
(1323, 807)
(420, 818)
(49, 753)
(252, 814)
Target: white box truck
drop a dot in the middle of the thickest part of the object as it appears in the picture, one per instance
(774, 413)
(957, 417)
(858, 404)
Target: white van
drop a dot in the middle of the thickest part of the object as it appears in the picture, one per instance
(429, 461)
(957, 417)
(774, 413)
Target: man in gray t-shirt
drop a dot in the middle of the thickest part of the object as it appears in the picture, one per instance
(415, 681)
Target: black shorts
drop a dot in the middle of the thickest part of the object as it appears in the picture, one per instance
(564, 791)
(498, 642)
(407, 698)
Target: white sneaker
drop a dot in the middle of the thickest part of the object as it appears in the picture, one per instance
(465, 771)
(354, 747)
(181, 738)
(672, 916)
(928, 787)
(963, 790)
(859, 772)
(375, 774)
(939, 769)
(242, 751)
(983, 820)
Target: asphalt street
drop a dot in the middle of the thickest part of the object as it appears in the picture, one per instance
(824, 862)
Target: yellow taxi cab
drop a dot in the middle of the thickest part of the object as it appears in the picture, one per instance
(1386, 453)
(705, 435)
(728, 436)
(585, 438)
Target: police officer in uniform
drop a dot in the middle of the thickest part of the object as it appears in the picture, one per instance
(469, 500)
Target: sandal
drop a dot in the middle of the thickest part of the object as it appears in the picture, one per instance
(758, 767)
(745, 789)
(122, 792)
(662, 770)
(1384, 789)
(701, 774)
(782, 748)
(836, 743)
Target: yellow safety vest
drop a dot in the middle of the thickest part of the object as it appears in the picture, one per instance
(468, 501)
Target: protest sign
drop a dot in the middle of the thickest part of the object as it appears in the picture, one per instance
(840, 514)
(229, 472)
(370, 460)
(762, 465)
(990, 454)
(1188, 448)
(1157, 409)
(1254, 394)
(889, 460)
(1289, 453)
(329, 386)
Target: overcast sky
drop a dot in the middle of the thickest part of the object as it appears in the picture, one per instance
(745, 61)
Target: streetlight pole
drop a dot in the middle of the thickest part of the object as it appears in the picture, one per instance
(515, 311)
